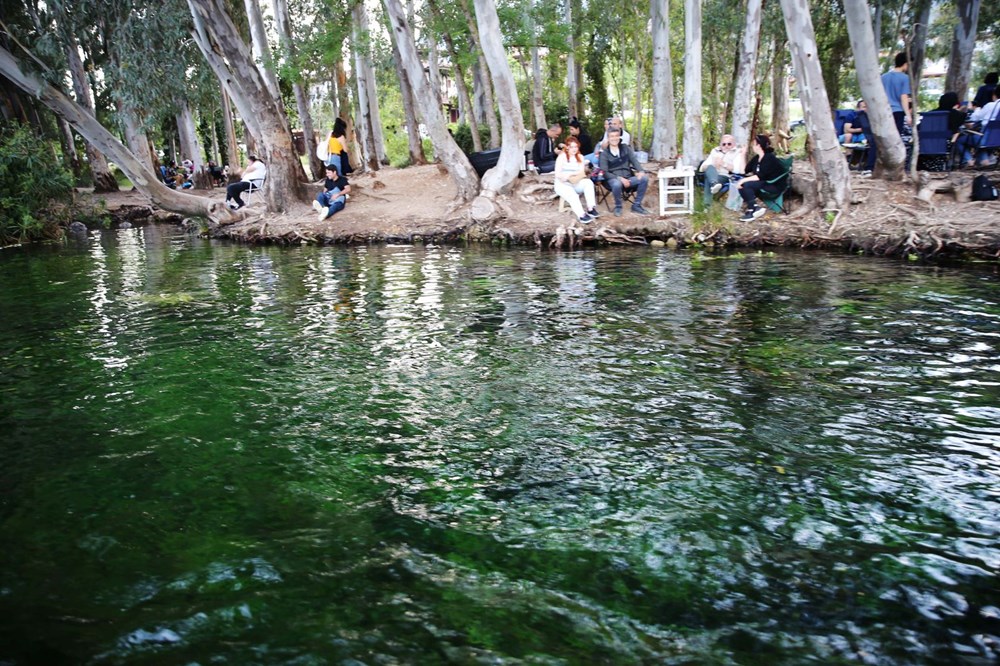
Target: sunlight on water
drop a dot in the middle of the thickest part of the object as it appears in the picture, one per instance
(402, 454)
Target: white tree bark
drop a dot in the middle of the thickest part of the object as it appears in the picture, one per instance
(891, 151)
(742, 106)
(500, 178)
(962, 45)
(283, 21)
(93, 132)
(832, 172)
(188, 135)
(264, 116)
(369, 154)
(135, 137)
(467, 184)
(664, 144)
(489, 103)
(779, 88)
(260, 48)
(693, 145)
(538, 108)
(415, 145)
(572, 85)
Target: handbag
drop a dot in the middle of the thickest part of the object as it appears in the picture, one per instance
(323, 150)
(576, 177)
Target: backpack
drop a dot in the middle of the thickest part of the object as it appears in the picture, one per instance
(982, 189)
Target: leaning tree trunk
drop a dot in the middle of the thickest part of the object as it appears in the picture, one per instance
(745, 76)
(891, 151)
(832, 171)
(259, 46)
(84, 122)
(262, 113)
(413, 141)
(283, 21)
(100, 172)
(467, 184)
(500, 178)
(962, 45)
(693, 147)
(135, 137)
(664, 144)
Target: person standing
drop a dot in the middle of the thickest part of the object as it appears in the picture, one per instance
(333, 198)
(725, 160)
(897, 87)
(255, 173)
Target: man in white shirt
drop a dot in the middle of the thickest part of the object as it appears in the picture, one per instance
(724, 160)
(255, 173)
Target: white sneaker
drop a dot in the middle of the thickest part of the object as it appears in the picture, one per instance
(322, 214)
(715, 188)
(317, 206)
(760, 211)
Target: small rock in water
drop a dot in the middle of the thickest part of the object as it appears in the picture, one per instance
(78, 228)
(125, 225)
(657, 243)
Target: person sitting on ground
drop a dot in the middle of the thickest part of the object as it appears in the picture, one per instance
(544, 151)
(333, 198)
(571, 181)
(764, 166)
(985, 93)
(218, 177)
(852, 128)
(576, 129)
(623, 171)
(255, 172)
(724, 161)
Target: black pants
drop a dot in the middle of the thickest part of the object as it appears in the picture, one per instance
(749, 190)
(234, 191)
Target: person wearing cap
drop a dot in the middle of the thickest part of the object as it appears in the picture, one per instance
(255, 173)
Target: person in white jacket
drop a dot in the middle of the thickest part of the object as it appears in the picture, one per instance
(571, 181)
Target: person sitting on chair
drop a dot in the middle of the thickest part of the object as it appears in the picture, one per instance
(333, 198)
(544, 151)
(623, 171)
(724, 161)
(852, 128)
(576, 129)
(763, 167)
(571, 181)
(255, 171)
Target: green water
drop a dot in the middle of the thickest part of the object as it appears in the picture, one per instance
(213, 454)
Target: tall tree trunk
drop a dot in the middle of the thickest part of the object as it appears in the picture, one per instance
(467, 184)
(371, 88)
(100, 172)
(283, 21)
(227, 54)
(877, 25)
(693, 149)
(84, 122)
(489, 103)
(779, 88)
(831, 167)
(259, 47)
(572, 86)
(918, 47)
(664, 144)
(962, 45)
(344, 111)
(466, 109)
(367, 133)
(745, 77)
(640, 75)
(70, 156)
(216, 152)
(500, 178)
(188, 135)
(135, 137)
(232, 147)
(416, 146)
(891, 151)
(537, 107)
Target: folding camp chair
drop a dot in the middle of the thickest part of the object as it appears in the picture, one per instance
(255, 186)
(605, 196)
(989, 142)
(936, 150)
(776, 200)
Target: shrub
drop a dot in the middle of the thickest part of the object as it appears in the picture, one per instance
(32, 185)
(463, 137)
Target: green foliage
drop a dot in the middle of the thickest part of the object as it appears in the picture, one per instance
(463, 137)
(30, 184)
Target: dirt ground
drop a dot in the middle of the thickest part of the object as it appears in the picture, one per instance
(417, 204)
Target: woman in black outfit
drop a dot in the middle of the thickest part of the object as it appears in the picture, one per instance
(580, 132)
(763, 166)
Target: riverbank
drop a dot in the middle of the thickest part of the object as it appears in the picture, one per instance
(416, 204)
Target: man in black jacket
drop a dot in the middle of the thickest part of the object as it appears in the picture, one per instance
(544, 152)
(623, 171)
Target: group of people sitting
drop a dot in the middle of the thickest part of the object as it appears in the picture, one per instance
(612, 164)
(725, 166)
(967, 121)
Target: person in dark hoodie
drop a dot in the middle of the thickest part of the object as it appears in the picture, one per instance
(763, 167)
(544, 152)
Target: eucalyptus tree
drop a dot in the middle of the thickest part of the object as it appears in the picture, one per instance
(260, 47)
(963, 43)
(745, 77)
(227, 54)
(664, 145)
(500, 178)
(831, 167)
(572, 79)
(481, 77)
(693, 146)
(414, 143)
(452, 157)
(891, 152)
(449, 24)
(372, 139)
(779, 86)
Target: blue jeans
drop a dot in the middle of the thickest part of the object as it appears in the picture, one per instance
(712, 177)
(640, 183)
(332, 201)
(335, 161)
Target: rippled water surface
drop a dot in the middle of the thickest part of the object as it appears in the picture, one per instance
(400, 455)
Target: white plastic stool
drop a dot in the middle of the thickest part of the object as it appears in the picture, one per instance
(676, 190)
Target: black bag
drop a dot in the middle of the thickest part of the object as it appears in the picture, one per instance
(345, 164)
(982, 189)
